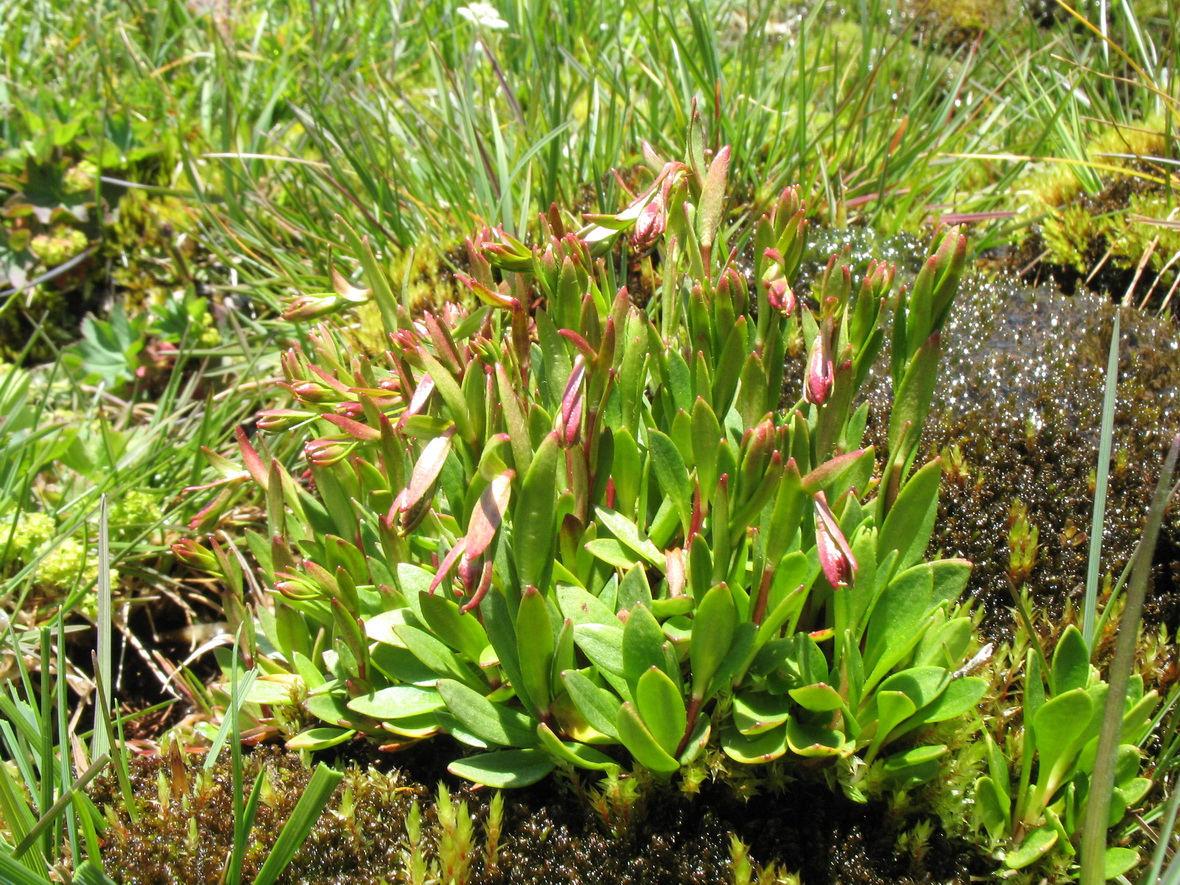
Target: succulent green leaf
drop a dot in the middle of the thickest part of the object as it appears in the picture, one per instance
(534, 525)
(910, 521)
(397, 702)
(950, 579)
(572, 753)
(922, 685)
(462, 632)
(641, 744)
(634, 588)
(752, 394)
(729, 367)
(671, 474)
(435, 655)
(1071, 662)
(504, 769)
(1035, 846)
(913, 767)
(333, 709)
(893, 707)
(1061, 726)
(603, 645)
(661, 707)
(896, 623)
(320, 738)
(755, 712)
(912, 398)
(714, 624)
(612, 552)
(671, 606)
(629, 534)
(764, 746)
(643, 642)
(960, 696)
(706, 439)
(992, 807)
(1119, 861)
(598, 706)
(535, 645)
(583, 607)
(814, 741)
(490, 722)
(626, 471)
(700, 567)
(818, 698)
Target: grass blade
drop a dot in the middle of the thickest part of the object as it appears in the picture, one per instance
(1094, 827)
(100, 745)
(307, 811)
(1090, 604)
(60, 805)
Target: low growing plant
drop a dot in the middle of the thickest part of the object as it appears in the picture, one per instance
(575, 527)
(1040, 805)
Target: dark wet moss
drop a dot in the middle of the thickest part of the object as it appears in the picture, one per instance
(552, 833)
(1017, 412)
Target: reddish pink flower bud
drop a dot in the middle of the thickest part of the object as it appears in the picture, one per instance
(196, 555)
(835, 556)
(273, 420)
(820, 371)
(310, 307)
(651, 223)
(327, 451)
(571, 404)
(780, 296)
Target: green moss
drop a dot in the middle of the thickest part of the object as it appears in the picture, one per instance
(1091, 223)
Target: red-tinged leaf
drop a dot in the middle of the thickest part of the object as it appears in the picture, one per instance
(488, 514)
(444, 347)
(426, 470)
(452, 395)
(825, 473)
(448, 563)
(418, 400)
(571, 403)
(488, 296)
(355, 429)
(251, 458)
(331, 380)
(579, 342)
(514, 419)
